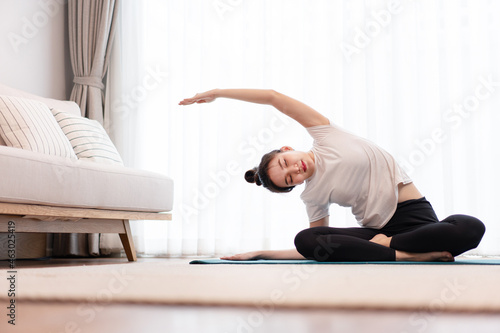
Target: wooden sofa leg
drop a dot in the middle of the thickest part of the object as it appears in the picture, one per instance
(127, 241)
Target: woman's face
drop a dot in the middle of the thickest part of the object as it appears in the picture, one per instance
(290, 167)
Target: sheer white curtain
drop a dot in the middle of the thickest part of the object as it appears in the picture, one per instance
(420, 78)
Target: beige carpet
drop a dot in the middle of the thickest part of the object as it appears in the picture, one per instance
(174, 281)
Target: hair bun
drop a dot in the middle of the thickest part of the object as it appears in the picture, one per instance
(252, 176)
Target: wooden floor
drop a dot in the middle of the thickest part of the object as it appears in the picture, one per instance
(82, 317)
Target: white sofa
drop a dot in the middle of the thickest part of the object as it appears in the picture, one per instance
(47, 193)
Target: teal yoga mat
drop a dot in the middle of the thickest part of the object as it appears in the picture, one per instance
(302, 262)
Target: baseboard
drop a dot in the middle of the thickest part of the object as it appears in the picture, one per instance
(27, 245)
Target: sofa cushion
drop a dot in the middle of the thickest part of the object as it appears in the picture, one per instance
(66, 106)
(88, 138)
(34, 178)
(29, 124)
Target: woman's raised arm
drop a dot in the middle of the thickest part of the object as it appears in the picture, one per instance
(303, 114)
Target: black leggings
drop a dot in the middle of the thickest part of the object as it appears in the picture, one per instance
(414, 227)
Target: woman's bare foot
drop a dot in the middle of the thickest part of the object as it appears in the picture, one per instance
(427, 256)
(382, 240)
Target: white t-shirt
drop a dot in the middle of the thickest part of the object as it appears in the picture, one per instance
(352, 172)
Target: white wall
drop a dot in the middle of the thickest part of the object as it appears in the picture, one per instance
(34, 51)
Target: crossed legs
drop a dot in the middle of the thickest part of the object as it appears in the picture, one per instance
(406, 237)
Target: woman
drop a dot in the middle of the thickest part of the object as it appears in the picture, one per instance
(398, 223)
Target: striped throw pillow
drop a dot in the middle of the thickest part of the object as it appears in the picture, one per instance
(29, 124)
(88, 138)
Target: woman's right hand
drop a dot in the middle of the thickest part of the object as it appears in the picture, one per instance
(243, 256)
(205, 97)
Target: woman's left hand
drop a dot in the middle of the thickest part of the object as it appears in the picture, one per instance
(205, 97)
